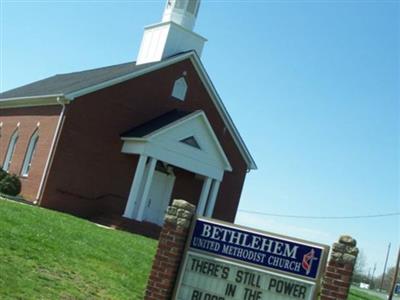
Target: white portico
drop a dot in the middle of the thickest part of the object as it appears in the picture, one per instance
(175, 139)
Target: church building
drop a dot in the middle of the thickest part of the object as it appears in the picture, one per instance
(116, 144)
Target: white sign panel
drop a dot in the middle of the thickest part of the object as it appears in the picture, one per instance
(207, 278)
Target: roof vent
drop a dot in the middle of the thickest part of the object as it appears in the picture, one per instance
(191, 141)
(180, 89)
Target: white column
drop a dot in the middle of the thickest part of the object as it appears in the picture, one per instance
(203, 196)
(212, 198)
(146, 188)
(135, 188)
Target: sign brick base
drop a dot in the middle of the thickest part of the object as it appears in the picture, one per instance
(337, 278)
(170, 251)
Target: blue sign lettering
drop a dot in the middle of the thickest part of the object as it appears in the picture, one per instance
(257, 248)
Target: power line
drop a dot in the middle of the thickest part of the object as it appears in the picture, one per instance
(319, 217)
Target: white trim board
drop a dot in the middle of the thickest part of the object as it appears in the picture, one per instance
(223, 112)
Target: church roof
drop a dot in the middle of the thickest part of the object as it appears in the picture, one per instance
(68, 87)
(155, 124)
(63, 84)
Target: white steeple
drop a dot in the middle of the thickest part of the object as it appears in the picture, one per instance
(174, 34)
(182, 12)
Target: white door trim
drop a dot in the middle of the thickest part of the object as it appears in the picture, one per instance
(147, 183)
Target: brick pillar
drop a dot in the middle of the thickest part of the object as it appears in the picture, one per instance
(337, 278)
(169, 252)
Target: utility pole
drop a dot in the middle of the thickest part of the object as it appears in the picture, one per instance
(369, 276)
(396, 273)
(373, 276)
(384, 268)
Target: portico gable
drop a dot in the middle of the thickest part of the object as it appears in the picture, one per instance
(175, 139)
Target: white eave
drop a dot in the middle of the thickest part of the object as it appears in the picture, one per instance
(52, 99)
(223, 112)
(41, 100)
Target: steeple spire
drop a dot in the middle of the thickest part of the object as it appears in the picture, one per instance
(182, 12)
(174, 34)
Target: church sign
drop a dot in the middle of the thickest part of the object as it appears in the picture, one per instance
(224, 261)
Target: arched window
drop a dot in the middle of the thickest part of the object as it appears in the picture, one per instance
(180, 89)
(29, 153)
(10, 150)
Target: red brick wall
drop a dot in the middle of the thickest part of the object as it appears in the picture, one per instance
(28, 118)
(186, 186)
(337, 281)
(89, 162)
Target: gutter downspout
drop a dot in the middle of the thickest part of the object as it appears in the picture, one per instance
(61, 101)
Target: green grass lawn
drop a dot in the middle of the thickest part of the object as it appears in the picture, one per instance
(49, 255)
(359, 295)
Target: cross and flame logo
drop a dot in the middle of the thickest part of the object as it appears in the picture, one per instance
(307, 262)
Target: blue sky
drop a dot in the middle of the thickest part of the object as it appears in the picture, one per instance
(313, 87)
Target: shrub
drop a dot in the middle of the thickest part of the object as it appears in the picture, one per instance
(2, 174)
(10, 185)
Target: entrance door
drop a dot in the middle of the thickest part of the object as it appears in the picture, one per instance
(159, 197)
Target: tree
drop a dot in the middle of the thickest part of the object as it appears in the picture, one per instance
(387, 280)
(359, 273)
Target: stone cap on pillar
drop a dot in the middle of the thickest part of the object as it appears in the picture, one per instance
(345, 251)
(180, 213)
